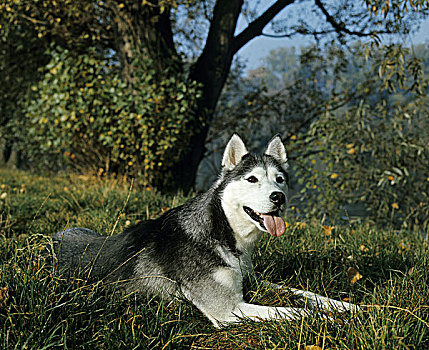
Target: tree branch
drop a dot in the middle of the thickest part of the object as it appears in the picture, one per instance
(275, 36)
(340, 27)
(222, 26)
(255, 28)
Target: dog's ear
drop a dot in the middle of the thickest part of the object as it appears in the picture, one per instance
(276, 149)
(234, 151)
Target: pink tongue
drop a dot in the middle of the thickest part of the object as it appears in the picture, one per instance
(274, 224)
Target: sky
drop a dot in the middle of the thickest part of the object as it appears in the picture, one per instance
(256, 50)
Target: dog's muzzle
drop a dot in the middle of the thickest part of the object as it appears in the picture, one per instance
(278, 198)
(271, 222)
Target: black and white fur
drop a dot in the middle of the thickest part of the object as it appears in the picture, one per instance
(202, 249)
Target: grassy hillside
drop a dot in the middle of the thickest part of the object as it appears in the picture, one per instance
(39, 309)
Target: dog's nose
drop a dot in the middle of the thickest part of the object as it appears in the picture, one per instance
(278, 198)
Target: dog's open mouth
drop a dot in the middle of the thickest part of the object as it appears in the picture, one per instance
(271, 222)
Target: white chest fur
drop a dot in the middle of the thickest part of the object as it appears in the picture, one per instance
(238, 268)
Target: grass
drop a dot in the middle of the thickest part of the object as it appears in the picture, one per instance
(40, 310)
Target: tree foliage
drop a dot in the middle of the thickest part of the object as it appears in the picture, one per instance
(84, 114)
(371, 158)
(373, 153)
(194, 41)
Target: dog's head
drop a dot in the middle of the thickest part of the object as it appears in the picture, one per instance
(254, 187)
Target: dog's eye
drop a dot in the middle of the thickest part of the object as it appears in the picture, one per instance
(280, 179)
(252, 179)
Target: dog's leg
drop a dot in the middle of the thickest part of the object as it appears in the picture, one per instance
(256, 313)
(326, 303)
(262, 313)
(317, 300)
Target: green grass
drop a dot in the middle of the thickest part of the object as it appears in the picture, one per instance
(40, 310)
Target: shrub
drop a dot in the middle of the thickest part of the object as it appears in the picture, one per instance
(377, 157)
(87, 118)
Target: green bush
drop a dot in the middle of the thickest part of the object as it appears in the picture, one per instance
(374, 157)
(86, 117)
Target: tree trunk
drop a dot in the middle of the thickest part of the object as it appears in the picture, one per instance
(211, 70)
(143, 32)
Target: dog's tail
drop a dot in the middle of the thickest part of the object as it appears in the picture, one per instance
(80, 251)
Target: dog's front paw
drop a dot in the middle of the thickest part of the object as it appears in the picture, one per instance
(338, 306)
(326, 304)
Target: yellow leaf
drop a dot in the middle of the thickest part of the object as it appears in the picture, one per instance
(4, 296)
(351, 151)
(334, 176)
(312, 347)
(395, 206)
(402, 246)
(301, 225)
(327, 230)
(362, 248)
(353, 275)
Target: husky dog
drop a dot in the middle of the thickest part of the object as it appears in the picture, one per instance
(202, 249)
